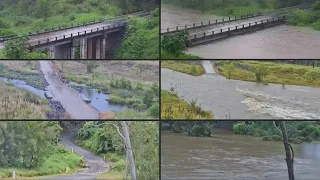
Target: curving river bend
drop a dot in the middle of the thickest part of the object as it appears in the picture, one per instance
(279, 42)
(227, 156)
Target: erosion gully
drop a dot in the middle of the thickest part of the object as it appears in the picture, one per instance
(282, 42)
(227, 156)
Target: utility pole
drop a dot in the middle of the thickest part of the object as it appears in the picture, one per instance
(288, 149)
(129, 151)
(202, 6)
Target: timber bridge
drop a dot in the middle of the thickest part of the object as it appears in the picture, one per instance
(204, 32)
(94, 39)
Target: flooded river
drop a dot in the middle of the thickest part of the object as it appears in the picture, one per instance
(227, 156)
(277, 42)
(236, 99)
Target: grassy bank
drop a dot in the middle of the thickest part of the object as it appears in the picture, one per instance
(18, 103)
(58, 163)
(189, 67)
(298, 131)
(173, 107)
(137, 92)
(272, 72)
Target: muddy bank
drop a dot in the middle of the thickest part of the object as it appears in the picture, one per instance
(33, 79)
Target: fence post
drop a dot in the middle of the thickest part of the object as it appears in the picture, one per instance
(229, 18)
(235, 17)
(209, 22)
(167, 29)
(14, 175)
(204, 34)
(195, 36)
(216, 20)
(194, 25)
(177, 28)
(186, 26)
(220, 30)
(222, 19)
(236, 27)
(72, 150)
(212, 32)
(201, 23)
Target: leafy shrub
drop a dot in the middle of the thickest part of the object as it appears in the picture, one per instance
(155, 110)
(174, 43)
(312, 75)
(200, 130)
(260, 72)
(239, 128)
(117, 100)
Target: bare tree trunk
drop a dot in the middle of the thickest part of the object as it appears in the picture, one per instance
(129, 150)
(289, 154)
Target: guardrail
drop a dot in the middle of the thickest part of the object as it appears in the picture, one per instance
(235, 30)
(47, 41)
(53, 29)
(208, 23)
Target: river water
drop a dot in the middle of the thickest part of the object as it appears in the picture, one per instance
(227, 156)
(234, 99)
(282, 42)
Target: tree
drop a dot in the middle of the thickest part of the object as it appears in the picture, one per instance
(260, 72)
(16, 48)
(43, 9)
(91, 65)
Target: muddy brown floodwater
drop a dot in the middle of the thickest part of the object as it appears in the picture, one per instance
(227, 156)
(280, 42)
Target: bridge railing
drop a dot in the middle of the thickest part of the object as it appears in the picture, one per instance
(44, 41)
(208, 23)
(233, 28)
(72, 25)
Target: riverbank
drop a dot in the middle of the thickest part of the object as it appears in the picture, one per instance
(61, 162)
(271, 72)
(127, 83)
(194, 68)
(299, 131)
(27, 71)
(173, 107)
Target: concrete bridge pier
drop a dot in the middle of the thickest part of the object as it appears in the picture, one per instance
(83, 48)
(73, 49)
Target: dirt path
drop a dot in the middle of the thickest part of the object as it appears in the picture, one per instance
(95, 163)
(68, 97)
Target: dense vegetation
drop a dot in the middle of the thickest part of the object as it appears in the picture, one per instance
(189, 67)
(270, 72)
(298, 131)
(173, 107)
(141, 38)
(31, 149)
(193, 128)
(105, 141)
(235, 7)
(309, 18)
(19, 17)
(172, 46)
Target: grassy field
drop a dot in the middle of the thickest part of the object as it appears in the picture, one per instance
(128, 82)
(58, 163)
(174, 108)
(116, 171)
(278, 73)
(18, 103)
(193, 68)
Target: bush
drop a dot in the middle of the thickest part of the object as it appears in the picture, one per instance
(155, 110)
(175, 43)
(117, 100)
(239, 128)
(200, 130)
(260, 72)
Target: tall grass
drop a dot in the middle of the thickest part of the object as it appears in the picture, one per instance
(172, 107)
(183, 66)
(278, 73)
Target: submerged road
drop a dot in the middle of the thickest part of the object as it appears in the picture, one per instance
(95, 163)
(68, 97)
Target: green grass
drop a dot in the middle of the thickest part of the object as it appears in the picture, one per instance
(60, 162)
(174, 108)
(305, 18)
(182, 55)
(279, 73)
(226, 8)
(184, 67)
(117, 170)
